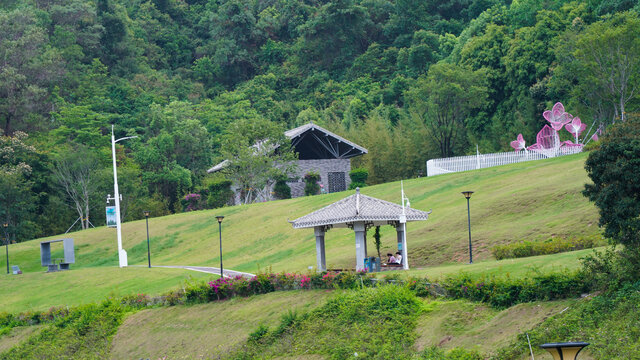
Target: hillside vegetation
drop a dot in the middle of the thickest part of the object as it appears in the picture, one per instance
(408, 80)
(533, 201)
(528, 201)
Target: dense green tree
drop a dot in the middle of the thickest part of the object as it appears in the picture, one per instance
(28, 68)
(17, 201)
(335, 36)
(444, 100)
(614, 169)
(600, 64)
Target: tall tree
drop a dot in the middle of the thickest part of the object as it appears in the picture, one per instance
(614, 169)
(17, 201)
(602, 65)
(75, 171)
(28, 68)
(257, 154)
(444, 100)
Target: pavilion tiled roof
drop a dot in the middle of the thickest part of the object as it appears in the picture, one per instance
(358, 207)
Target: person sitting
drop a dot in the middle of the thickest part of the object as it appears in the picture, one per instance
(398, 257)
(391, 259)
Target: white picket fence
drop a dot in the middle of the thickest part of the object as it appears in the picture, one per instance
(480, 161)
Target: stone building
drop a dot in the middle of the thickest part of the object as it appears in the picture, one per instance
(321, 151)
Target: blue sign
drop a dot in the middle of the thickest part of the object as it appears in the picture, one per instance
(111, 216)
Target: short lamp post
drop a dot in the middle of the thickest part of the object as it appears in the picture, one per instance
(220, 232)
(6, 239)
(146, 216)
(467, 194)
(564, 351)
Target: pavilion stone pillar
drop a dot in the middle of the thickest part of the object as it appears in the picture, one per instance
(361, 244)
(402, 243)
(322, 264)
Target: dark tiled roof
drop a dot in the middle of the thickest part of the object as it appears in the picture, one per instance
(358, 207)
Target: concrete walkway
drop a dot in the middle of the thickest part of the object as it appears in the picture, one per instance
(210, 270)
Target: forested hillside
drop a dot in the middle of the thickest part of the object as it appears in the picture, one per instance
(409, 80)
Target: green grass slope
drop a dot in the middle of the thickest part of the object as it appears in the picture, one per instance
(206, 330)
(532, 200)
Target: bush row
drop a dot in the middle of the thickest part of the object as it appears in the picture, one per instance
(506, 292)
(224, 288)
(550, 246)
(498, 292)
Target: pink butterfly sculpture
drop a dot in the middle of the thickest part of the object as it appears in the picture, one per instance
(568, 143)
(547, 142)
(595, 137)
(576, 127)
(557, 116)
(518, 144)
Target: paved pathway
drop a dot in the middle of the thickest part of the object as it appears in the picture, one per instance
(210, 270)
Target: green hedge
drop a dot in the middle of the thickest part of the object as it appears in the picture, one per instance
(550, 246)
(358, 177)
(506, 292)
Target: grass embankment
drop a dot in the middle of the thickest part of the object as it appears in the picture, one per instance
(206, 329)
(335, 329)
(534, 200)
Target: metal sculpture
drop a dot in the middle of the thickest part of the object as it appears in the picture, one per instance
(548, 140)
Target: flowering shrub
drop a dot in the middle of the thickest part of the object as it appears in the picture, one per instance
(263, 283)
(192, 202)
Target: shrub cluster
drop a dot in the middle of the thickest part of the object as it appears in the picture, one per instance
(550, 246)
(311, 186)
(358, 177)
(380, 325)
(506, 292)
(281, 190)
(224, 288)
(81, 332)
(609, 322)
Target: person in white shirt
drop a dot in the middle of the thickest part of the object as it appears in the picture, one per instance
(398, 257)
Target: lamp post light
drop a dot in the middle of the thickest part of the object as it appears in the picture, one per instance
(122, 253)
(564, 351)
(146, 216)
(6, 239)
(467, 194)
(220, 232)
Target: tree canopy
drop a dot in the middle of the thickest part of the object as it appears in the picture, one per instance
(194, 79)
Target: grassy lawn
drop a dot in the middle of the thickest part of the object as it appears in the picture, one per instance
(528, 201)
(206, 330)
(39, 291)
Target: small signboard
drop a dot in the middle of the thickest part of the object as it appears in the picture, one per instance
(111, 216)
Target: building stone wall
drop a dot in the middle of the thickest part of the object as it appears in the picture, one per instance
(323, 167)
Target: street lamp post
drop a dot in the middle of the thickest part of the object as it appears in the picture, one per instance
(122, 254)
(220, 232)
(467, 194)
(6, 239)
(146, 216)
